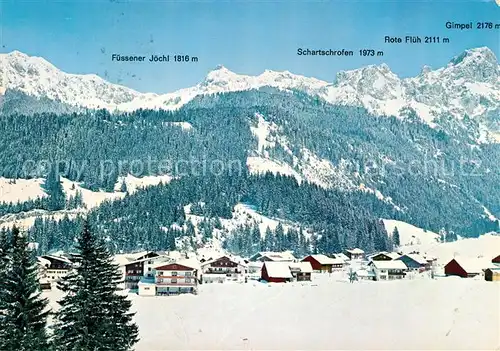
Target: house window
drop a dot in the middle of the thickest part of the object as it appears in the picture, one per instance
(174, 274)
(188, 280)
(149, 269)
(146, 288)
(174, 281)
(160, 273)
(188, 274)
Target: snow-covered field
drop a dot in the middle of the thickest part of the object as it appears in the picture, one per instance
(447, 314)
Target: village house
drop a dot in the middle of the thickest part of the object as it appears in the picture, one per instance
(389, 270)
(492, 274)
(301, 271)
(323, 263)
(223, 269)
(55, 267)
(285, 256)
(134, 271)
(276, 272)
(355, 254)
(415, 262)
(463, 268)
(384, 256)
(171, 279)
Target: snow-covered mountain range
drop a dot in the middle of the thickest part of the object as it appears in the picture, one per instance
(468, 85)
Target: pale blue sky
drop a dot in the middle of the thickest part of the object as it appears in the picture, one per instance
(245, 36)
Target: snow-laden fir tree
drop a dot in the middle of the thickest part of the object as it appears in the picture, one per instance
(23, 311)
(93, 314)
(54, 188)
(395, 237)
(123, 187)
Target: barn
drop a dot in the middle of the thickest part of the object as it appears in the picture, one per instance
(276, 272)
(464, 269)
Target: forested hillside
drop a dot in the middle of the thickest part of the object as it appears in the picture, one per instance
(348, 168)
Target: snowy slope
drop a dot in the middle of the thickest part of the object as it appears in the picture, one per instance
(20, 190)
(14, 190)
(304, 164)
(90, 198)
(244, 215)
(469, 84)
(481, 250)
(25, 220)
(409, 234)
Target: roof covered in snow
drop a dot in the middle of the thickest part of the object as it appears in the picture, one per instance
(471, 265)
(417, 258)
(278, 269)
(365, 273)
(356, 251)
(58, 258)
(303, 267)
(323, 259)
(395, 264)
(275, 256)
(159, 259)
(147, 281)
(43, 261)
(341, 256)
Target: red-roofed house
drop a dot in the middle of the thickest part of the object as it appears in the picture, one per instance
(224, 268)
(169, 279)
(496, 260)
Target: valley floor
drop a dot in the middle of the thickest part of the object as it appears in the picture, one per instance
(327, 313)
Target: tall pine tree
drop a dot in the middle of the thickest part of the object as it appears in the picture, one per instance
(395, 237)
(24, 312)
(93, 316)
(54, 188)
